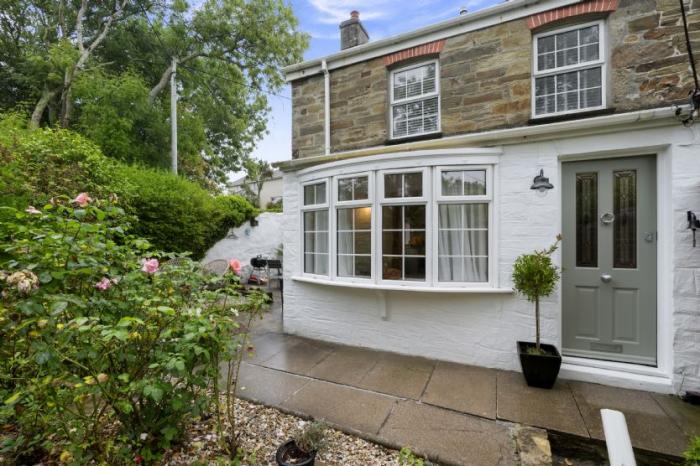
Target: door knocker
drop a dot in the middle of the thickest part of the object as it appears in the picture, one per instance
(607, 218)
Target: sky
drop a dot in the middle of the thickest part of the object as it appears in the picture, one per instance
(321, 18)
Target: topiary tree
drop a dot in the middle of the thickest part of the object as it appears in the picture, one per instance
(535, 276)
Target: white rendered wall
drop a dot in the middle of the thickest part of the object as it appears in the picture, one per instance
(482, 329)
(246, 242)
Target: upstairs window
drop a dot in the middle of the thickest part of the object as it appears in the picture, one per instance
(569, 70)
(415, 100)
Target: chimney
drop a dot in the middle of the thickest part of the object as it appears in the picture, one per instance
(352, 33)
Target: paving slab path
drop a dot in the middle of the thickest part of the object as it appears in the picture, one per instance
(451, 413)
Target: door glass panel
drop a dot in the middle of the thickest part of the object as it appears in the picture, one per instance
(586, 220)
(625, 225)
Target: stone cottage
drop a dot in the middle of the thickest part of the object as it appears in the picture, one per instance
(409, 193)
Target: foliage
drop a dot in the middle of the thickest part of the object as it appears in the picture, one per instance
(275, 206)
(81, 64)
(692, 454)
(536, 276)
(312, 438)
(174, 213)
(408, 458)
(104, 356)
(257, 173)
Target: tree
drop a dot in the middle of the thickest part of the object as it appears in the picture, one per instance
(257, 172)
(84, 63)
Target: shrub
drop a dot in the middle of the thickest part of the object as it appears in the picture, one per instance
(535, 276)
(104, 355)
(174, 213)
(692, 454)
(177, 214)
(312, 438)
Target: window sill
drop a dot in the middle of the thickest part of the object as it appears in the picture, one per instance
(571, 116)
(408, 288)
(419, 137)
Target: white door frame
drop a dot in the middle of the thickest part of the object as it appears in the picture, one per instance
(625, 374)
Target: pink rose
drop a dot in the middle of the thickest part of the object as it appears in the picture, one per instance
(32, 210)
(82, 199)
(103, 284)
(235, 266)
(150, 266)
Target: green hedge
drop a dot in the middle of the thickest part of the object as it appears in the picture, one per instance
(174, 213)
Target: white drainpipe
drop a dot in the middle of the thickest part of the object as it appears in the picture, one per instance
(327, 107)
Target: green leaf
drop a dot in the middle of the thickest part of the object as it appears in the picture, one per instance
(169, 433)
(155, 393)
(58, 307)
(13, 399)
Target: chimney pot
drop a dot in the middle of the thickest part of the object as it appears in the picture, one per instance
(355, 14)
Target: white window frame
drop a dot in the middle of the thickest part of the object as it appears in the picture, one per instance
(487, 199)
(425, 200)
(313, 208)
(430, 164)
(602, 62)
(369, 202)
(393, 101)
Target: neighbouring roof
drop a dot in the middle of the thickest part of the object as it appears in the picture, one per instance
(509, 10)
(276, 175)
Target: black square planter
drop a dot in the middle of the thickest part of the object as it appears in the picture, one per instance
(540, 370)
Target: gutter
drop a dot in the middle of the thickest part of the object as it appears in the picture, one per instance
(326, 107)
(595, 125)
(501, 13)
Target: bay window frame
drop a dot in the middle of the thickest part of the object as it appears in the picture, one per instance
(324, 206)
(337, 205)
(601, 63)
(488, 199)
(393, 101)
(430, 164)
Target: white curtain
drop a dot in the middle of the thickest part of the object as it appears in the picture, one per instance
(463, 243)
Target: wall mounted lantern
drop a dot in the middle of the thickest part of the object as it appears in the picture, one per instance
(541, 184)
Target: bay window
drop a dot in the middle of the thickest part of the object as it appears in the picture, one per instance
(463, 225)
(353, 227)
(426, 226)
(569, 70)
(315, 225)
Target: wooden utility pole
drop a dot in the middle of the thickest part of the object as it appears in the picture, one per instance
(173, 117)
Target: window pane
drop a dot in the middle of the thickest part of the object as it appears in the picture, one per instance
(392, 217)
(413, 185)
(589, 35)
(345, 219)
(625, 224)
(392, 268)
(345, 189)
(415, 243)
(416, 117)
(392, 185)
(586, 219)
(363, 266)
(414, 217)
(545, 44)
(345, 266)
(361, 186)
(363, 218)
(475, 182)
(391, 242)
(321, 193)
(414, 268)
(463, 242)
(345, 243)
(309, 195)
(363, 243)
(452, 183)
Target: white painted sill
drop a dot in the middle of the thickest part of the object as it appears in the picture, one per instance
(408, 288)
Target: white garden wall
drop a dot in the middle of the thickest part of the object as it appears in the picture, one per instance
(246, 241)
(482, 329)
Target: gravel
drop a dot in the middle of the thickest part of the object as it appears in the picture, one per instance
(262, 430)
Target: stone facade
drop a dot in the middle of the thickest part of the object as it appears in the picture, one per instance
(486, 78)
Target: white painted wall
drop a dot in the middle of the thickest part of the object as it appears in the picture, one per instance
(245, 242)
(482, 329)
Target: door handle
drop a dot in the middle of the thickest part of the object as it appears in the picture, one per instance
(606, 278)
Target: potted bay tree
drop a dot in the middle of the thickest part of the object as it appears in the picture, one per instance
(535, 276)
(301, 450)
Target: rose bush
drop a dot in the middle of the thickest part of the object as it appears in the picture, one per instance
(106, 349)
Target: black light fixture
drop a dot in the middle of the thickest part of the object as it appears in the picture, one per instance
(541, 183)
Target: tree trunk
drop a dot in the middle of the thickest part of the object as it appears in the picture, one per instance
(40, 107)
(164, 80)
(537, 323)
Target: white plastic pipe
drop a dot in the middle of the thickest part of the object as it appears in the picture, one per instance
(617, 438)
(326, 108)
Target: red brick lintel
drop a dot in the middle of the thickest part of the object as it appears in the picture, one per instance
(431, 48)
(585, 7)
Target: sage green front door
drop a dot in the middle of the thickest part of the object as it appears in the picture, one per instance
(609, 259)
